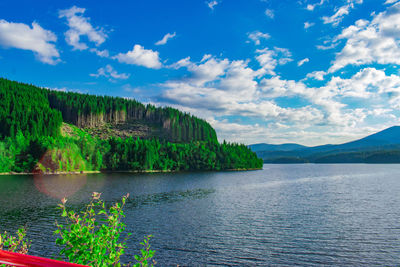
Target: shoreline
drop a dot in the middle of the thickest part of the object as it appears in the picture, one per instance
(137, 171)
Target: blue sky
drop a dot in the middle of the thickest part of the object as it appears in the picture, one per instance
(275, 71)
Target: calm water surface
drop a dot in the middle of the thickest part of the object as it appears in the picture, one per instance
(281, 215)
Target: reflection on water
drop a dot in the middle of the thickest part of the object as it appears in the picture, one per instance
(59, 186)
(282, 215)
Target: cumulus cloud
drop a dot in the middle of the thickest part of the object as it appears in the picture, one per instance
(308, 24)
(184, 62)
(270, 13)
(109, 72)
(326, 47)
(214, 84)
(209, 69)
(311, 7)
(256, 36)
(341, 12)
(100, 53)
(35, 39)
(229, 88)
(269, 59)
(166, 38)
(80, 26)
(317, 75)
(230, 93)
(218, 89)
(301, 62)
(141, 57)
(212, 4)
(367, 42)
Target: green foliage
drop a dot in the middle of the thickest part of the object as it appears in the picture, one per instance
(146, 254)
(137, 154)
(82, 152)
(86, 110)
(16, 243)
(93, 236)
(25, 108)
(39, 112)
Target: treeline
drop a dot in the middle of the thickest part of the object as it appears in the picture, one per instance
(82, 152)
(85, 110)
(39, 112)
(382, 156)
(25, 108)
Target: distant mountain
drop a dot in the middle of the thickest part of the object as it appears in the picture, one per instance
(269, 147)
(379, 147)
(388, 136)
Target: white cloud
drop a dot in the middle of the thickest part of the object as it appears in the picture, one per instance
(341, 12)
(229, 88)
(301, 62)
(311, 7)
(165, 39)
(368, 42)
(35, 39)
(220, 88)
(336, 18)
(141, 57)
(366, 83)
(270, 13)
(100, 53)
(80, 26)
(369, 85)
(256, 36)
(390, 2)
(209, 70)
(269, 59)
(308, 24)
(109, 72)
(181, 63)
(326, 47)
(318, 75)
(215, 84)
(212, 4)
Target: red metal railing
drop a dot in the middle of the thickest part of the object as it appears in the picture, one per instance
(16, 259)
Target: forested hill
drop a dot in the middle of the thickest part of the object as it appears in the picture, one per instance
(35, 110)
(50, 131)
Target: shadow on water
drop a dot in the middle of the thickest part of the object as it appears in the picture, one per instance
(31, 215)
(169, 197)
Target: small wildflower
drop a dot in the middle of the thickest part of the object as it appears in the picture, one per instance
(64, 200)
(96, 195)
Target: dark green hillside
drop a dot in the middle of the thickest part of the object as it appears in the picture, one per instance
(89, 111)
(34, 135)
(25, 108)
(36, 111)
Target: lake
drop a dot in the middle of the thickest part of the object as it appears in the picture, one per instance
(338, 214)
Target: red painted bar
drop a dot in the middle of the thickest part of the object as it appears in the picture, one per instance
(16, 259)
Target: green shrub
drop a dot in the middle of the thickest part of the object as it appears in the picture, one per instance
(93, 236)
(16, 243)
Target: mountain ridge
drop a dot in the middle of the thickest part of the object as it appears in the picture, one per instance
(379, 142)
